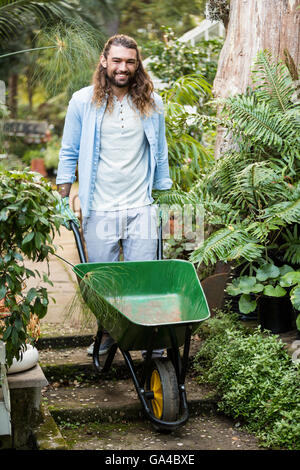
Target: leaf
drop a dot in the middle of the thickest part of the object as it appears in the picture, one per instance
(285, 269)
(258, 288)
(18, 324)
(291, 278)
(272, 291)
(246, 304)
(244, 285)
(38, 240)
(29, 272)
(233, 290)
(7, 333)
(295, 297)
(3, 291)
(39, 308)
(4, 214)
(7, 257)
(18, 256)
(46, 279)
(32, 293)
(267, 271)
(298, 322)
(15, 337)
(28, 238)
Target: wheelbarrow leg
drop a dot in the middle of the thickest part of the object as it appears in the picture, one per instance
(173, 353)
(110, 356)
(180, 365)
(148, 358)
(185, 358)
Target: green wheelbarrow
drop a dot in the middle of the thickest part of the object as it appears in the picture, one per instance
(147, 305)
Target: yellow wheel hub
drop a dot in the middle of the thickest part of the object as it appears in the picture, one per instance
(156, 388)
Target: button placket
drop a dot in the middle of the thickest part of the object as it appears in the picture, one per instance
(122, 118)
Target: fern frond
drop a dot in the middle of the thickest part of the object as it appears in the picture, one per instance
(247, 250)
(215, 216)
(224, 174)
(255, 185)
(255, 119)
(287, 211)
(273, 82)
(292, 253)
(260, 230)
(291, 247)
(172, 197)
(212, 203)
(218, 245)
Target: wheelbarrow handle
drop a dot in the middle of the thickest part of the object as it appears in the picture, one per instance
(80, 248)
(78, 241)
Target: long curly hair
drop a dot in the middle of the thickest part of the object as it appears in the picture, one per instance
(140, 89)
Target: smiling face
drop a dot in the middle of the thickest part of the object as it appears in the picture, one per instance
(121, 64)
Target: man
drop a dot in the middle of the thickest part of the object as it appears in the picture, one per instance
(115, 131)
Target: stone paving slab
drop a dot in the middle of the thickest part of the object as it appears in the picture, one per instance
(30, 378)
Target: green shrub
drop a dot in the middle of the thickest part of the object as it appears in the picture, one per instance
(214, 333)
(256, 379)
(28, 223)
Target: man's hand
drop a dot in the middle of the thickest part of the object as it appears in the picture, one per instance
(64, 209)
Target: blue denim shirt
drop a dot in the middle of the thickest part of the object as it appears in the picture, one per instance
(81, 143)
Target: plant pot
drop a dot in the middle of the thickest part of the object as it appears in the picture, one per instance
(275, 313)
(38, 165)
(214, 290)
(29, 360)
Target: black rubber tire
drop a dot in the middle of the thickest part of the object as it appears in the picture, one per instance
(170, 392)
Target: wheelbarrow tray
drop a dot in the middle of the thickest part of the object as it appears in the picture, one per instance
(137, 301)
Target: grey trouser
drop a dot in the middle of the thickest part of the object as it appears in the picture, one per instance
(136, 229)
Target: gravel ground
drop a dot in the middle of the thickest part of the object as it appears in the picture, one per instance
(212, 432)
(78, 395)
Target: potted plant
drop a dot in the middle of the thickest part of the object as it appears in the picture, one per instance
(266, 291)
(292, 280)
(30, 355)
(28, 221)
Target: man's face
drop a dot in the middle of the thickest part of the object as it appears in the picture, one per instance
(120, 65)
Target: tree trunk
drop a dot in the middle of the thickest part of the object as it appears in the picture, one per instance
(30, 87)
(13, 95)
(254, 25)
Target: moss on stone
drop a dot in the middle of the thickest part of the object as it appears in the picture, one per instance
(47, 434)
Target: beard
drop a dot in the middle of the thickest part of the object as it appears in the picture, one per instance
(113, 79)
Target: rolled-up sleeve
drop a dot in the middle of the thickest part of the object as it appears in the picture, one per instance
(69, 152)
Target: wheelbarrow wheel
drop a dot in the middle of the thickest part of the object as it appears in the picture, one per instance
(162, 381)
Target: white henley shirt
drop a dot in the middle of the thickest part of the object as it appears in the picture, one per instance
(122, 177)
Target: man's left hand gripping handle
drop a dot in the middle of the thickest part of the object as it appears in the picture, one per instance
(63, 206)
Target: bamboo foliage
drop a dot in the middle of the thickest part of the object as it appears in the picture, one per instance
(67, 57)
(15, 13)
